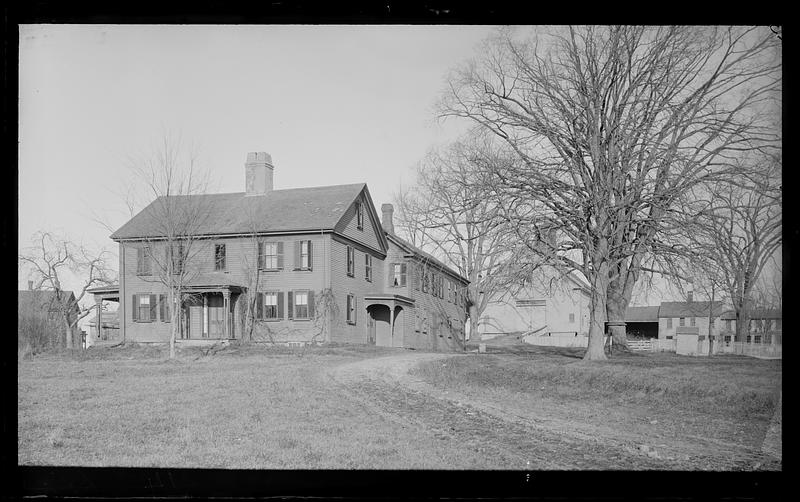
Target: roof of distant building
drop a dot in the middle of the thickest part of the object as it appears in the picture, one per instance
(689, 309)
(755, 314)
(642, 314)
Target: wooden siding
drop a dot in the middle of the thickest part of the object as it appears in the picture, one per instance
(348, 225)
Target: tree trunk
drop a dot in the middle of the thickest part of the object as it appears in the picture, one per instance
(597, 319)
(615, 309)
(68, 333)
(474, 336)
(176, 320)
(710, 318)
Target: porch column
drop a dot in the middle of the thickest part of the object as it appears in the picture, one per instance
(205, 316)
(99, 303)
(226, 307)
(391, 325)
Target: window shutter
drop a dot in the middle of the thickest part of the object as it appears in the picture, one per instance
(259, 305)
(297, 263)
(261, 263)
(280, 304)
(290, 305)
(153, 307)
(279, 248)
(310, 257)
(161, 304)
(310, 303)
(349, 317)
(135, 308)
(355, 309)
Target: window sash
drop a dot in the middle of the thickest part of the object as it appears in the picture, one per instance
(368, 265)
(359, 215)
(351, 265)
(304, 255)
(271, 305)
(219, 257)
(398, 275)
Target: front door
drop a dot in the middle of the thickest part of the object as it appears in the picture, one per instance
(216, 317)
(196, 321)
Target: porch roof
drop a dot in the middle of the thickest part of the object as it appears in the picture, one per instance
(109, 292)
(212, 281)
(386, 299)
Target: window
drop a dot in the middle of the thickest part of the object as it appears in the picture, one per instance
(669, 337)
(756, 338)
(527, 302)
(368, 267)
(351, 309)
(301, 304)
(425, 322)
(397, 278)
(727, 339)
(691, 321)
(163, 304)
(669, 323)
(360, 215)
(572, 318)
(270, 255)
(271, 305)
(219, 257)
(303, 259)
(682, 321)
(351, 259)
(175, 252)
(144, 308)
(417, 272)
(144, 264)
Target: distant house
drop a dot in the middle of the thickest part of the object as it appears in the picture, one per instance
(318, 249)
(642, 322)
(690, 317)
(43, 306)
(766, 326)
(551, 304)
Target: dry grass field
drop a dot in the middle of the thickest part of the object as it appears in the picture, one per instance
(373, 408)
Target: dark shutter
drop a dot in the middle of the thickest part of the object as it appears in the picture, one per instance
(135, 308)
(280, 304)
(310, 303)
(310, 257)
(261, 264)
(290, 305)
(259, 305)
(279, 251)
(161, 305)
(153, 307)
(355, 309)
(349, 316)
(297, 263)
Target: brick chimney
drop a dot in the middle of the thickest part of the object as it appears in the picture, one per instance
(258, 173)
(387, 220)
(690, 292)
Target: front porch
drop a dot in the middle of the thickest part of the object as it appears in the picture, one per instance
(208, 313)
(386, 318)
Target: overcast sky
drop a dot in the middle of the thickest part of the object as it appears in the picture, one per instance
(331, 104)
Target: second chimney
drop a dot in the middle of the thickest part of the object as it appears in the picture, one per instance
(387, 219)
(258, 173)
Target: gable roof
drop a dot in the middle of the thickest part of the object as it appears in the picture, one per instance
(755, 314)
(688, 309)
(42, 298)
(642, 314)
(417, 252)
(288, 210)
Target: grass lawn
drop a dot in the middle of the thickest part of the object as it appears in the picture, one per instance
(266, 408)
(275, 408)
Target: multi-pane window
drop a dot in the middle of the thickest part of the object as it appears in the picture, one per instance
(304, 254)
(271, 305)
(301, 305)
(270, 255)
(351, 309)
(692, 321)
(219, 257)
(144, 264)
(351, 259)
(398, 275)
(360, 215)
(669, 323)
(368, 267)
(144, 308)
(682, 321)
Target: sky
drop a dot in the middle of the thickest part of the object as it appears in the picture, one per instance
(330, 104)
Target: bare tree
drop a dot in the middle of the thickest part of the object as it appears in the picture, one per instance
(737, 228)
(608, 127)
(50, 260)
(455, 219)
(174, 240)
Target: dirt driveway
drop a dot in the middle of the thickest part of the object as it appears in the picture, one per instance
(541, 434)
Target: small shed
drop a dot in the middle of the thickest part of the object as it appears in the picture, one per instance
(641, 322)
(689, 342)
